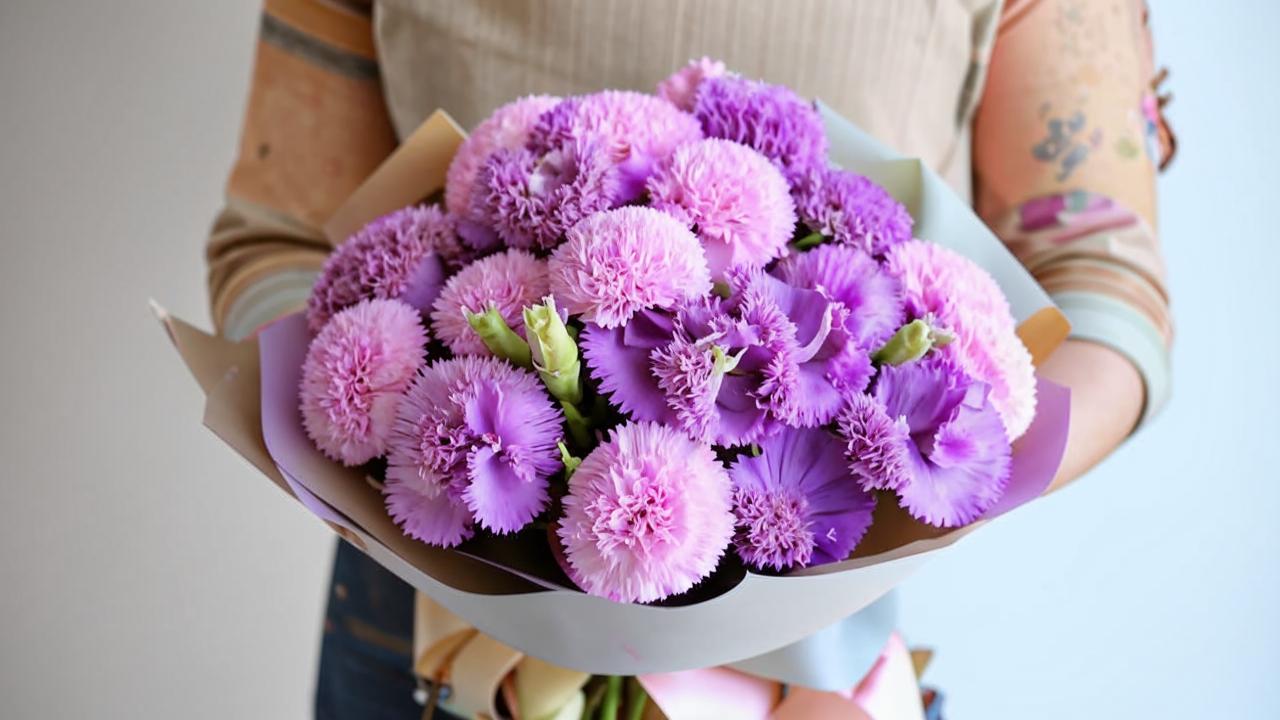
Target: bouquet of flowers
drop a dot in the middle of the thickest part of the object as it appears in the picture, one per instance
(657, 366)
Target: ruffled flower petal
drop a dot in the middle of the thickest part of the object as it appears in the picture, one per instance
(617, 263)
(474, 433)
(434, 517)
(739, 222)
(794, 503)
(648, 515)
(851, 277)
(930, 433)
(530, 200)
(963, 299)
(508, 281)
(772, 119)
(354, 372)
(619, 359)
(681, 87)
(637, 132)
(851, 209)
(396, 257)
(506, 129)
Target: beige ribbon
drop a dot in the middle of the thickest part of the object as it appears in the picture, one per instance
(449, 651)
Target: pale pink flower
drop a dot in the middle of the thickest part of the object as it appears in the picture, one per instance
(615, 263)
(648, 515)
(354, 372)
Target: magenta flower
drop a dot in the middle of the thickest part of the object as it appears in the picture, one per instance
(769, 118)
(829, 365)
(930, 433)
(397, 256)
(619, 359)
(963, 299)
(851, 209)
(616, 263)
(506, 129)
(474, 441)
(681, 87)
(355, 370)
(849, 276)
(531, 199)
(794, 503)
(732, 372)
(508, 281)
(647, 515)
(736, 200)
(637, 132)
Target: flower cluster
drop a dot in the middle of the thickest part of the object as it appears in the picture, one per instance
(663, 330)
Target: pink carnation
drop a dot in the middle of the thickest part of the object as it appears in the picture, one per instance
(738, 201)
(353, 375)
(618, 262)
(508, 281)
(636, 131)
(681, 87)
(964, 299)
(648, 515)
(506, 129)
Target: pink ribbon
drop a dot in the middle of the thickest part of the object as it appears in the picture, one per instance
(889, 691)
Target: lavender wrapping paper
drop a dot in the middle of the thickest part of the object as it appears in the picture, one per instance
(579, 631)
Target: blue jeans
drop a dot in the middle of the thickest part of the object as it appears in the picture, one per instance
(366, 658)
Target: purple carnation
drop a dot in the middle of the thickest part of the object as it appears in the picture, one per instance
(794, 503)
(732, 372)
(849, 276)
(616, 263)
(851, 209)
(735, 199)
(769, 118)
(398, 256)
(531, 199)
(353, 375)
(829, 364)
(474, 441)
(619, 359)
(636, 131)
(508, 281)
(647, 515)
(929, 432)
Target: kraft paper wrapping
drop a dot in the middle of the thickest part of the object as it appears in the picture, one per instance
(252, 405)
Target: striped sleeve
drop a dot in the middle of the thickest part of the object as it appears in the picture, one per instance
(314, 127)
(1067, 141)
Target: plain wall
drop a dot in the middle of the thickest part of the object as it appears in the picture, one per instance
(149, 573)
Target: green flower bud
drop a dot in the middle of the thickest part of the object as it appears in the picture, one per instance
(571, 461)
(554, 352)
(499, 337)
(910, 343)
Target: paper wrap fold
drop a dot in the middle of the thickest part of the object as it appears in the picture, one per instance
(796, 628)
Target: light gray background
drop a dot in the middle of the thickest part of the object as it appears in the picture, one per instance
(148, 573)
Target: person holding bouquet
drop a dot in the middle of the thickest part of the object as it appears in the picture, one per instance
(1045, 112)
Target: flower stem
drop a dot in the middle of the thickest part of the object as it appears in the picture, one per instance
(612, 698)
(637, 700)
(812, 240)
(571, 461)
(579, 425)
